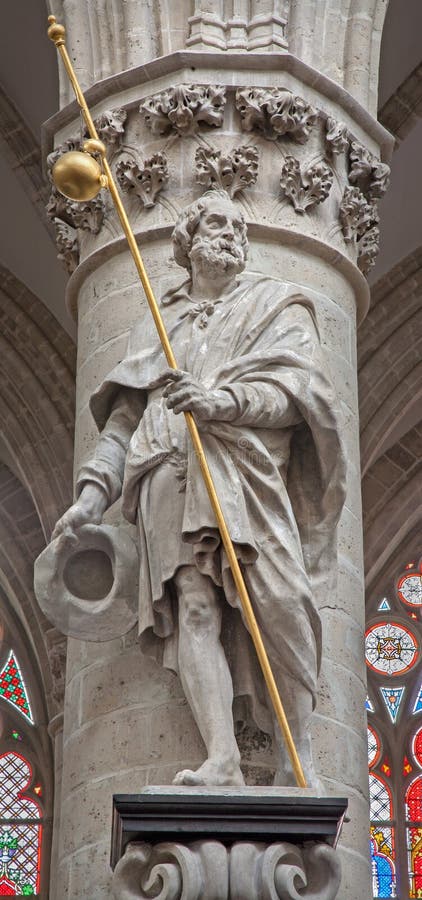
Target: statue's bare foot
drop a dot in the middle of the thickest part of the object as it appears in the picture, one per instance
(213, 773)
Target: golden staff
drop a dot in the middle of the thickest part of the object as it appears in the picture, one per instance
(80, 177)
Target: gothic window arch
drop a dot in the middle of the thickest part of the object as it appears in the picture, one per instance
(394, 707)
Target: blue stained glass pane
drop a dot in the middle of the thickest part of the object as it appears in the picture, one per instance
(383, 874)
(418, 705)
(384, 605)
(370, 708)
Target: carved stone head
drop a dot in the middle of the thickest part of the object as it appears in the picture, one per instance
(211, 233)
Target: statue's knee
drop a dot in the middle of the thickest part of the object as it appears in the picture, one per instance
(198, 604)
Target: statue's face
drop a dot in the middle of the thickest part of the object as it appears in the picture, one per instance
(218, 240)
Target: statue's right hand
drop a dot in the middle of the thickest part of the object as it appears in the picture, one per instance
(88, 510)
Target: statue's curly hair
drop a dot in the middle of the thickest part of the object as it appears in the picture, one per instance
(187, 224)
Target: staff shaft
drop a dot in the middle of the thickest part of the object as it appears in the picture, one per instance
(57, 34)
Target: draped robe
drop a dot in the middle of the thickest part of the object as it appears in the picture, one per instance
(277, 464)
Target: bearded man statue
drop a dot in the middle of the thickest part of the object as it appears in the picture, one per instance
(254, 375)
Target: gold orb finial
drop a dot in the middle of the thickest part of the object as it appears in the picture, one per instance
(78, 176)
(56, 32)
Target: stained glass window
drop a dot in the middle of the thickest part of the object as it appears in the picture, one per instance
(12, 687)
(394, 667)
(391, 648)
(20, 829)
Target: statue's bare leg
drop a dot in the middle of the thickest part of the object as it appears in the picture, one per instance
(206, 680)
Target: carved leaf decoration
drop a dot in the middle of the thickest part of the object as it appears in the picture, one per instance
(232, 173)
(183, 107)
(111, 125)
(336, 136)
(368, 249)
(146, 182)
(89, 216)
(368, 173)
(357, 214)
(308, 189)
(68, 254)
(276, 112)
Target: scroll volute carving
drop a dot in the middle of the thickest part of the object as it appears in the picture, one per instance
(182, 108)
(305, 189)
(207, 870)
(276, 112)
(231, 172)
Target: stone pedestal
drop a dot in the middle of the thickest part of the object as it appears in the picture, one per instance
(225, 844)
(307, 181)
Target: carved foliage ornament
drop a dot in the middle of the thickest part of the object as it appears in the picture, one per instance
(305, 189)
(232, 172)
(67, 245)
(336, 136)
(145, 182)
(367, 172)
(357, 214)
(360, 220)
(111, 126)
(207, 870)
(183, 107)
(275, 112)
(368, 248)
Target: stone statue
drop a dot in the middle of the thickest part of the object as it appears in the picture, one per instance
(253, 373)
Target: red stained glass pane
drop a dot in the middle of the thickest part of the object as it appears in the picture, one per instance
(374, 747)
(414, 856)
(414, 801)
(417, 747)
(12, 687)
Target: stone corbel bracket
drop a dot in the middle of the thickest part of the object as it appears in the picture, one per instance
(231, 172)
(275, 112)
(208, 870)
(145, 182)
(182, 108)
(305, 189)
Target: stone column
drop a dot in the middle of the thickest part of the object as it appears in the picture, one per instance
(302, 157)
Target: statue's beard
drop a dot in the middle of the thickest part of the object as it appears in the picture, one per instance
(217, 256)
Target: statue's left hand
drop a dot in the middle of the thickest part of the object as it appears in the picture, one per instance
(185, 394)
